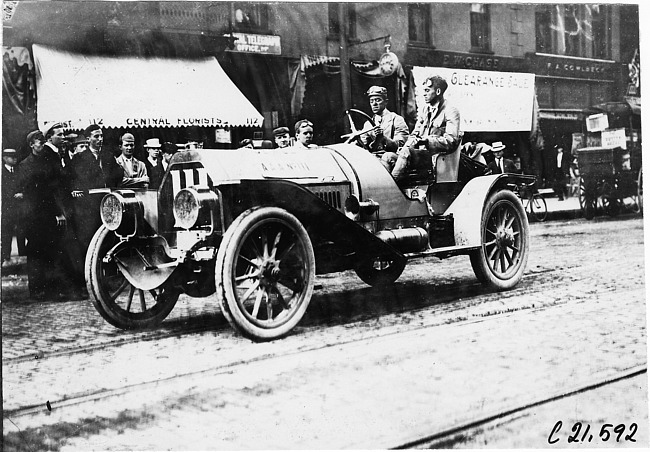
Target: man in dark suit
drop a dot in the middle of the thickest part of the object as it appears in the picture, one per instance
(39, 189)
(9, 206)
(91, 168)
(561, 172)
(500, 164)
(153, 162)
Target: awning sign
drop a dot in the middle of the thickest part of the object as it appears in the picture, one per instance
(250, 43)
(488, 101)
(79, 90)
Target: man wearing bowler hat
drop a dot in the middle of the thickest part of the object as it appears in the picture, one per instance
(390, 130)
(282, 138)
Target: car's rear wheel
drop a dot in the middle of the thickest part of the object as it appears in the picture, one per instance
(379, 272)
(265, 273)
(501, 260)
(118, 301)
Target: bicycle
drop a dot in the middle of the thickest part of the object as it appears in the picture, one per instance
(534, 203)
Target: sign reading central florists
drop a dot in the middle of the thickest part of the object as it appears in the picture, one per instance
(77, 90)
(488, 101)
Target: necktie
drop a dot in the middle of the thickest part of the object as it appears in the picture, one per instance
(500, 165)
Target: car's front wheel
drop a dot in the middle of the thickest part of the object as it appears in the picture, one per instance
(501, 260)
(265, 273)
(118, 301)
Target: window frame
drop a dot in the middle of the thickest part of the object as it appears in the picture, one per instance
(420, 10)
(483, 21)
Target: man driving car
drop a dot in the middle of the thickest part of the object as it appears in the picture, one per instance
(390, 131)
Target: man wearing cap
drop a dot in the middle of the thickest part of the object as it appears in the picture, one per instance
(54, 139)
(153, 163)
(500, 164)
(135, 171)
(9, 219)
(390, 131)
(437, 130)
(561, 172)
(38, 189)
(304, 134)
(91, 168)
(168, 151)
(281, 135)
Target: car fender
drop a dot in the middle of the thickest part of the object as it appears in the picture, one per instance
(467, 208)
(315, 214)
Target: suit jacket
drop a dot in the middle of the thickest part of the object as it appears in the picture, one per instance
(155, 173)
(508, 166)
(9, 180)
(439, 128)
(87, 172)
(40, 182)
(395, 131)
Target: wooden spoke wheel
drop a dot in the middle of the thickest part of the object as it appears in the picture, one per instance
(117, 300)
(265, 273)
(502, 257)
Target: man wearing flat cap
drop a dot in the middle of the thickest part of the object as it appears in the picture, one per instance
(281, 135)
(390, 131)
(437, 130)
(40, 192)
(135, 171)
(54, 141)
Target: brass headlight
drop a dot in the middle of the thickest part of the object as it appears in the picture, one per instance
(195, 207)
(121, 212)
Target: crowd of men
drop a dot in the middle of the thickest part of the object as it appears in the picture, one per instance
(49, 202)
(51, 205)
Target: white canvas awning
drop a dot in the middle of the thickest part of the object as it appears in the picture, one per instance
(79, 90)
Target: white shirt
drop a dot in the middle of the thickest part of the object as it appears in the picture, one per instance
(559, 159)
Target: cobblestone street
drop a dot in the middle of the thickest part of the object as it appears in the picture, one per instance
(361, 372)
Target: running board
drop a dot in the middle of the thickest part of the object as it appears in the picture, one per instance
(443, 253)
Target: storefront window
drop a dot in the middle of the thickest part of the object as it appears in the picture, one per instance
(574, 30)
(334, 22)
(419, 23)
(250, 16)
(480, 27)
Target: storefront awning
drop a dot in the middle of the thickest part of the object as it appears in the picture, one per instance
(78, 90)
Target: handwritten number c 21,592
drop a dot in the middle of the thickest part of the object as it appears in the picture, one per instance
(580, 433)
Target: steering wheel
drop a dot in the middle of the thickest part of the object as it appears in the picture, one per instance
(357, 133)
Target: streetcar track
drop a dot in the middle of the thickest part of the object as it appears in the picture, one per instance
(447, 436)
(230, 367)
(443, 295)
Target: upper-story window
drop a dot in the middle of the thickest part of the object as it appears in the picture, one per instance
(420, 23)
(574, 30)
(479, 18)
(334, 26)
(250, 16)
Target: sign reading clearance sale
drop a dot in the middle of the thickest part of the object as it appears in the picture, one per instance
(487, 101)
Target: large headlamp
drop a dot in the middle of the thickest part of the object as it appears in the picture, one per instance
(122, 212)
(195, 208)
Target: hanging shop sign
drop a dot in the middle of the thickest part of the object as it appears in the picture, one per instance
(252, 43)
(488, 101)
(614, 138)
(597, 122)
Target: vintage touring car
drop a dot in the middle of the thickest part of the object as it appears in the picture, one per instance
(256, 226)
